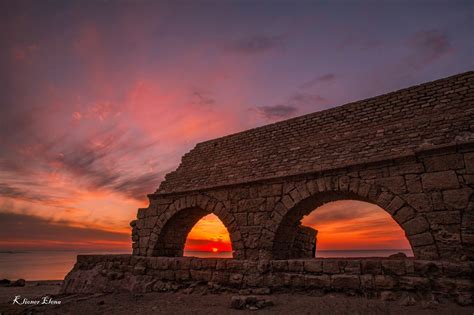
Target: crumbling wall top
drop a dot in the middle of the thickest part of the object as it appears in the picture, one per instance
(388, 126)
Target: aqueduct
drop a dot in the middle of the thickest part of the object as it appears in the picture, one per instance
(411, 152)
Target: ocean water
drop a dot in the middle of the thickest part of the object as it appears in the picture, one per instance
(54, 265)
(361, 253)
(40, 265)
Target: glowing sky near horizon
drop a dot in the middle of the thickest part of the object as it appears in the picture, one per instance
(100, 99)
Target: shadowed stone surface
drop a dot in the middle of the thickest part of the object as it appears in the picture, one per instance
(127, 273)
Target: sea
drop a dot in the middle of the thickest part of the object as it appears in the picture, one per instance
(54, 265)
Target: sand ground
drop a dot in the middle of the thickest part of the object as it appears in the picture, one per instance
(206, 303)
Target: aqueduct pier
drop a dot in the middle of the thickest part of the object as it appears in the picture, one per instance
(411, 152)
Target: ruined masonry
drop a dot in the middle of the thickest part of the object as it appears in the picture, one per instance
(411, 152)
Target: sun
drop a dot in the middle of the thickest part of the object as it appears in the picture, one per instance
(215, 250)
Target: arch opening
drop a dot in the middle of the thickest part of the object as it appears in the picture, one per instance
(344, 226)
(208, 238)
(173, 239)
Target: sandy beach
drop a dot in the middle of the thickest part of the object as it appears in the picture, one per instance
(201, 301)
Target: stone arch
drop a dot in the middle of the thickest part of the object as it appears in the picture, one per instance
(176, 221)
(303, 197)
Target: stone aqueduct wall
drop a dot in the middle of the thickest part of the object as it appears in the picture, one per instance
(411, 152)
(429, 194)
(127, 273)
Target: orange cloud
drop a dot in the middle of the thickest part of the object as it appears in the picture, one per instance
(345, 225)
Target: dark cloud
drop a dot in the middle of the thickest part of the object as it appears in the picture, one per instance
(61, 234)
(104, 160)
(306, 99)
(325, 78)
(342, 211)
(105, 167)
(291, 107)
(10, 191)
(277, 111)
(256, 44)
(202, 99)
(428, 46)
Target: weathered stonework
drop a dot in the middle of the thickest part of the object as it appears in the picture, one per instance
(263, 217)
(411, 152)
(127, 273)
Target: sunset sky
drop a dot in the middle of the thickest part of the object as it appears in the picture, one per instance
(100, 99)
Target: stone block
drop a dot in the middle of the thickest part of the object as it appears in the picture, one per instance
(295, 195)
(395, 205)
(295, 265)
(352, 267)
(141, 213)
(288, 202)
(182, 275)
(444, 284)
(420, 202)
(302, 190)
(444, 217)
(385, 282)
(428, 268)
(414, 283)
(426, 252)
(457, 269)
(221, 264)
(295, 280)
(344, 183)
(393, 267)
(413, 183)
(209, 263)
(409, 168)
(317, 282)
(364, 189)
(167, 275)
(468, 179)
(344, 282)
(220, 277)
(404, 214)
(354, 185)
(421, 239)
(313, 266)
(371, 266)
(439, 180)
(469, 162)
(395, 184)
(443, 162)
(457, 198)
(331, 266)
(367, 282)
(201, 275)
(416, 226)
(384, 199)
(196, 264)
(183, 263)
(280, 265)
(235, 265)
(312, 186)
